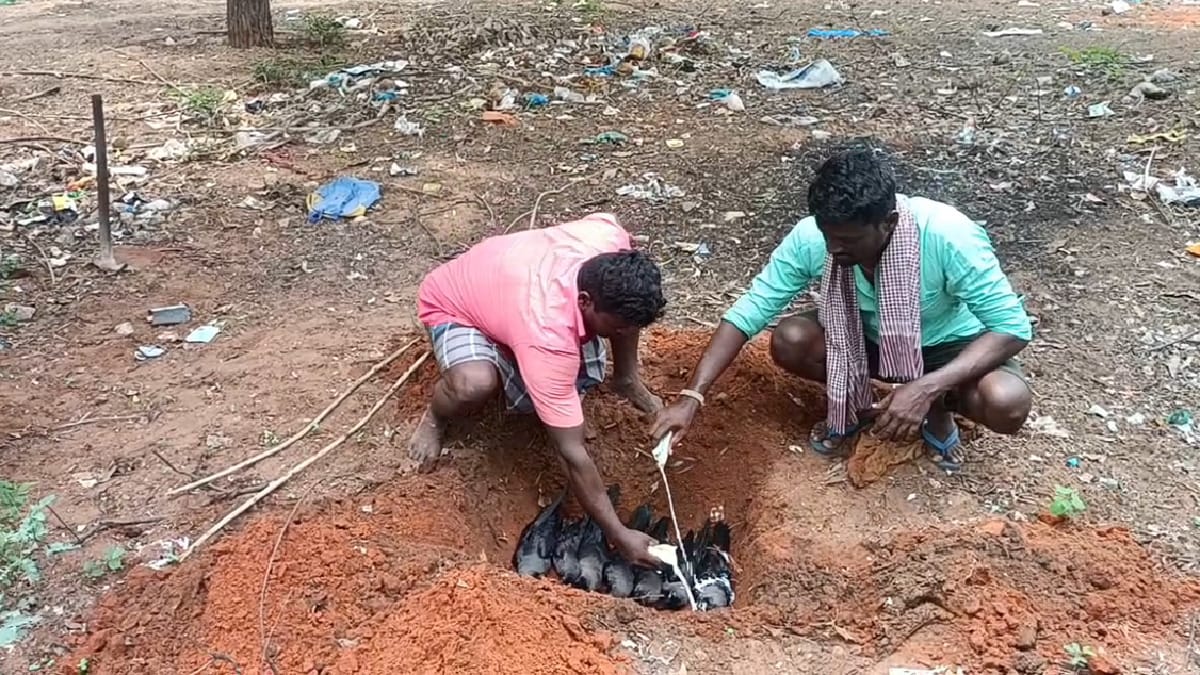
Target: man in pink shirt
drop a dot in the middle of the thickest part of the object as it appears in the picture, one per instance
(524, 314)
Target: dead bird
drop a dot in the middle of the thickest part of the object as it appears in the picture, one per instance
(713, 569)
(566, 552)
(535, 549)
(593, 553)
(619, 575)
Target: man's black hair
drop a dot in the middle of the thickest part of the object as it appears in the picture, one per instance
(852, 187)
(627, 284)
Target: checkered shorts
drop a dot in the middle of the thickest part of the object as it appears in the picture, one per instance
(454, 344)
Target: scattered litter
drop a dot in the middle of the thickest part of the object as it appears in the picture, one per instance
(171, 550)
(729, 97)
(132, 206)
(500, 118)
(840, 33)
(132, 171)
(124, 329)
(343, 197)
(1183, 421)
(404, 126)
(536, 100)
(396, 170)
(607, 138)
(169, 316)
(13, 624)
(363, 77)
(1072, 92)
(654, 188)
(20, 313)
(1185, 191)
(813, 76)
(1149, 91)
(1047, 426)
(1119, 7)
(1136, 419)
(203, 334)
(148, 352)
(940, 670)
(1012, 32)
(1193, 250)
(789, 120)
(674, 143)
(1165, 76)
(1101, 109)
(171, 151)
(1074, 462)
(253, 203)
(323, 136)
(1099, 411)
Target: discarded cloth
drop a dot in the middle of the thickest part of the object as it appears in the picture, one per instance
(344, 197)
(836, 33)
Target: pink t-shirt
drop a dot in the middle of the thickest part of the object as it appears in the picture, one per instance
(522, 291)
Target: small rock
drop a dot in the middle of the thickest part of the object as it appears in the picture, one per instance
(688, 207)
(1027, 637)
(124, 329)
(20, 312)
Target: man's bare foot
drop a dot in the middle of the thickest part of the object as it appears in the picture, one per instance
(635, 392)
(425, 447)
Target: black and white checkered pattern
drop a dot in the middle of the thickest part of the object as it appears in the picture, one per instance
(454, 344)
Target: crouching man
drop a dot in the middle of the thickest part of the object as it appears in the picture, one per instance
(911, 293)
(524, 315)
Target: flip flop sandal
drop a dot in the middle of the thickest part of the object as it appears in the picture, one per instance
(944, 448)
(818, 445)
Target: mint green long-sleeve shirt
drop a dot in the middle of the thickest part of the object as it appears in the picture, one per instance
(963, 290)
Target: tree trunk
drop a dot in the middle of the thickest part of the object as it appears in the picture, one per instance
(249, 23)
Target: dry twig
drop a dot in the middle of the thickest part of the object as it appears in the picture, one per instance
(273, 485)
(308, 428)
(45, 258)
(61, 74)
(91, 420)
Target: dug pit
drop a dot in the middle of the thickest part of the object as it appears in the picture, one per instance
(414, 577)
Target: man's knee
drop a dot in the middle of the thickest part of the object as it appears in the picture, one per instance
(473, 382)
(798, 345)
(1003, 401)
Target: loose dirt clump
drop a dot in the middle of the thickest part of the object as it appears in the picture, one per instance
(414, 577)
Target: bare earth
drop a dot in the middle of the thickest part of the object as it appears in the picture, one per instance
(305, 309)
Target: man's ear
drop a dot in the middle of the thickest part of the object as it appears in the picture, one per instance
(585, 300)
(891, 221)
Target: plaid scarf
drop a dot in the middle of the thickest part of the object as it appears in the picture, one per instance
(898, 286)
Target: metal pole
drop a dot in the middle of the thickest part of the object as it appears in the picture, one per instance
(104, 259)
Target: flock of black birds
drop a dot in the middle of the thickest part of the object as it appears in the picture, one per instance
(578, 553)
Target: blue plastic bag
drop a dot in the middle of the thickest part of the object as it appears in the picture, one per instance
(343, 197)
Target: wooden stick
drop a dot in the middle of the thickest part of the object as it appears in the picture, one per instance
(310, 427)
(93, 420)
(60, 74)
(273, 485)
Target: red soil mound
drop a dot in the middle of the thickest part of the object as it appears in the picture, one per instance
(399, 580)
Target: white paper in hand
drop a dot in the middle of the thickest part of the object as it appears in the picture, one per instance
(663, 450)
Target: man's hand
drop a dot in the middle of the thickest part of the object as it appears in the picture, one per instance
(634, 546)
(902, 411)
(675, 418)
(635, 392)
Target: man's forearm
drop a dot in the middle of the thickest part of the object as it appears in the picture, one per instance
(981, 357)
(725, 344)
(584, 479)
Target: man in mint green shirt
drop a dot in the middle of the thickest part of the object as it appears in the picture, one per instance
(926, 285)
